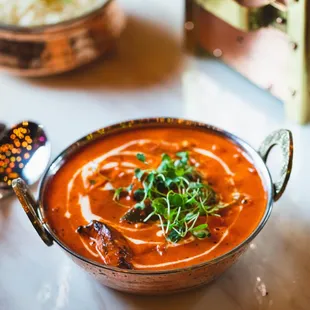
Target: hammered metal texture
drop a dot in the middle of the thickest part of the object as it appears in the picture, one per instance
(160, 283)
(48, 50)
(283, 138)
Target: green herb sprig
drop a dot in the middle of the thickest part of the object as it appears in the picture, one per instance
(175, 194)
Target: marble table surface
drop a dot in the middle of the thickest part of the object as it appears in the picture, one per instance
(150, 76)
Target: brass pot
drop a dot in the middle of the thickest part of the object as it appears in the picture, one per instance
(51, 49)
(164, 281)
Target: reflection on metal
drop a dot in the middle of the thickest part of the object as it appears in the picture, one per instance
(298, 103)
(246, 18)
(24, 152)
(284, 139)
(30, 206)
(257, 32)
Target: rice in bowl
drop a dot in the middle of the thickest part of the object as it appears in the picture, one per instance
(28, 13)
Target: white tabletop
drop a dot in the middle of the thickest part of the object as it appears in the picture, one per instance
(151, 77)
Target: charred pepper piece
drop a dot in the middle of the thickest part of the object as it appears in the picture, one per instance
(138, 215)
(109, 243)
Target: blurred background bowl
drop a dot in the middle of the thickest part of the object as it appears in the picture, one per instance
(51, 49)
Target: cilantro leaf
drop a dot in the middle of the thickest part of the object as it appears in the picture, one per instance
(141, 157)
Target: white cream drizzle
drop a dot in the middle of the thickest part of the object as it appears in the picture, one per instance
(225, 234)
(89, 249)
(90, 168)
(160, 233)
(109, 166)
(184, 241)
(100, 254)
(128, 165)
(138, 241)
(212, 155)
(129, 153)
(86, 173)
(182, 260)
(107, 187)
(86, 210)
(112, 165)
(69, 188)
(169, 245)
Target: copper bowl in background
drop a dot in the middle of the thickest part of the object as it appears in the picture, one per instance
(51, 49)
(163, 281)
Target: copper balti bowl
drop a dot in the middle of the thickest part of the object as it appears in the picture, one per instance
(160, 282)
(51, 49)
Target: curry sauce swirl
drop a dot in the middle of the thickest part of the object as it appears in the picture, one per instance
(82, 192)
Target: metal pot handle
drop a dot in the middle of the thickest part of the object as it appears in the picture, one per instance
(30, 206)
(284, 139)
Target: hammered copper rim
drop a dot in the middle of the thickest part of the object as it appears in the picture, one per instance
(54, 27)
(158, 122)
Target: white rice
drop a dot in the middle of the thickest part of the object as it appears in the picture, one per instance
(42, 12)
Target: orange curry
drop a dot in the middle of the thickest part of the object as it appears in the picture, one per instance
(155, 199)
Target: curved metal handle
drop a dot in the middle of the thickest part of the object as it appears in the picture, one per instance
(30, 206)
(284, 139)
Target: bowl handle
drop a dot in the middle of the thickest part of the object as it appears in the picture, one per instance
(284, 139)
(30, 206)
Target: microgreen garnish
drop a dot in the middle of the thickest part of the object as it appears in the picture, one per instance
(138, 195)
(176, 195)
(129, 188)
(141, 157)
(117, 193)
(139, 173)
